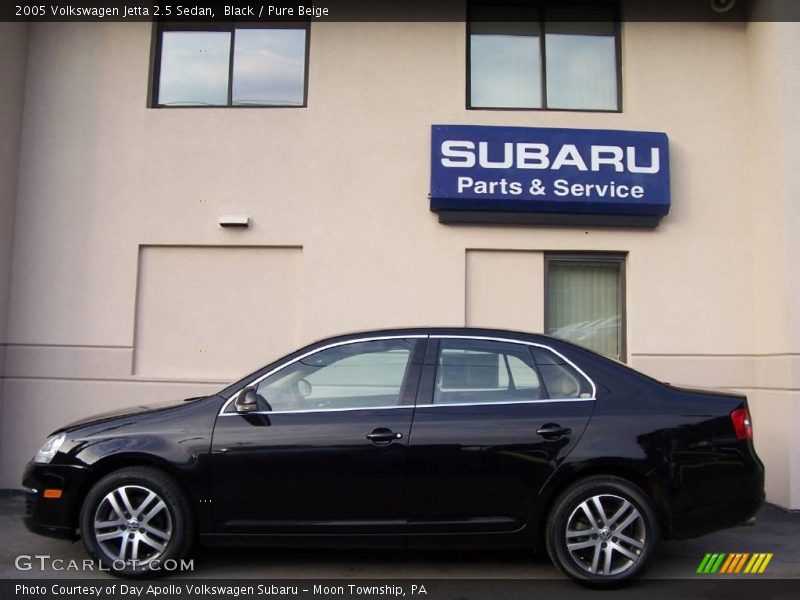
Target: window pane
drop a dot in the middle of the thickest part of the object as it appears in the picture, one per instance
(523, 375)
(194, 68)
(560, 378)
(476, 371)
(581, 60)
(360, 375)
(505, 59)
(365, 374)
(469, 370)
(584, 304)
(269, 66)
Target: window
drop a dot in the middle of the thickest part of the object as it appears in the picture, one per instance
(359, 375)
(585, 302)
(230, 65)
(560, 378)
(477, 371)
(538, 56)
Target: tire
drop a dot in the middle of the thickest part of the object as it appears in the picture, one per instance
(628, 536)
(136, 543)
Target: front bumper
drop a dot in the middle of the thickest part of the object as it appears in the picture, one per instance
(53, 517)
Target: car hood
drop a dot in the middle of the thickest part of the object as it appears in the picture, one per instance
(124, 412)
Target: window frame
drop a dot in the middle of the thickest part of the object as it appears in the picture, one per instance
(618, 258)
(332, 406)
(419, 391)
(407, 389)
(581, 395)
(541, 6)
(428, 376)
(156, 41)
(523, 349)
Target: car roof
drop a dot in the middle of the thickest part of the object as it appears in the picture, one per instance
(437, 331)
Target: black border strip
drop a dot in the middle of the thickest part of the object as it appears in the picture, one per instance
(394, 10)
(454, 217)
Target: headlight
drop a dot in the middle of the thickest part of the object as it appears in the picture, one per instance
(49, 449)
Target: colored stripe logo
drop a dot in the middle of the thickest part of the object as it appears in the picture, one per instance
(734, 563)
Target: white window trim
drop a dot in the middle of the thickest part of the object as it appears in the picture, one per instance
(233, 398)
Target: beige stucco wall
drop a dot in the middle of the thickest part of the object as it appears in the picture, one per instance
(13, 51)
(774, 187)
(344, 184)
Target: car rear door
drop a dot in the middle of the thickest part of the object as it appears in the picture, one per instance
(493, 420)
(326, 451)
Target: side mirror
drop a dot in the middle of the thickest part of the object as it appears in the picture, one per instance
(246, 402)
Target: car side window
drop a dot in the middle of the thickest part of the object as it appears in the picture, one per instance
(360, 375)
(561, 379)
(478, 371)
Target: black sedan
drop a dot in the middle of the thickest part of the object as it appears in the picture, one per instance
(413, 437)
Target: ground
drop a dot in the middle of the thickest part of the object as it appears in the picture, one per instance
(776, 530)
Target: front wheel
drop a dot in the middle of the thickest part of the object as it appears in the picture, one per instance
(135, 519)
(602, 532)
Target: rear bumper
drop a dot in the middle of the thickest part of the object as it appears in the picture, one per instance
(53, 517)
(705, 520)
(730, 499)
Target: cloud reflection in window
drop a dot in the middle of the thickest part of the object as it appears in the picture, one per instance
(269, 66)
(194, 68)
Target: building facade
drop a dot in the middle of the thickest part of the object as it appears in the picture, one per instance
(119, 286)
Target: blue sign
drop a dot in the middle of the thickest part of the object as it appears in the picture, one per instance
(542, 170)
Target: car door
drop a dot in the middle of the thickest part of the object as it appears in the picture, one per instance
(493, 420)
(326, 450)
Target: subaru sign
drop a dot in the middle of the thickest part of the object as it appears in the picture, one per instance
(560, 176)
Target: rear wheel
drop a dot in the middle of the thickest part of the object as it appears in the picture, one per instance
(134, 519)
(602, 532)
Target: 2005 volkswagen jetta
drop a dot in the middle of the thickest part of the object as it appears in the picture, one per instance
(423, 437)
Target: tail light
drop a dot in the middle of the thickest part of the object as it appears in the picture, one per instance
(742, 425)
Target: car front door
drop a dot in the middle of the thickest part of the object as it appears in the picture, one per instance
(493, 420)
(326, 450)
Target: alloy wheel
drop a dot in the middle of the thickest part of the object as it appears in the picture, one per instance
(605, 535)
(133, 524)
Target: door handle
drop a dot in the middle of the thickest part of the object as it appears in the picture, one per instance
(552, 431)
(383, 436)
